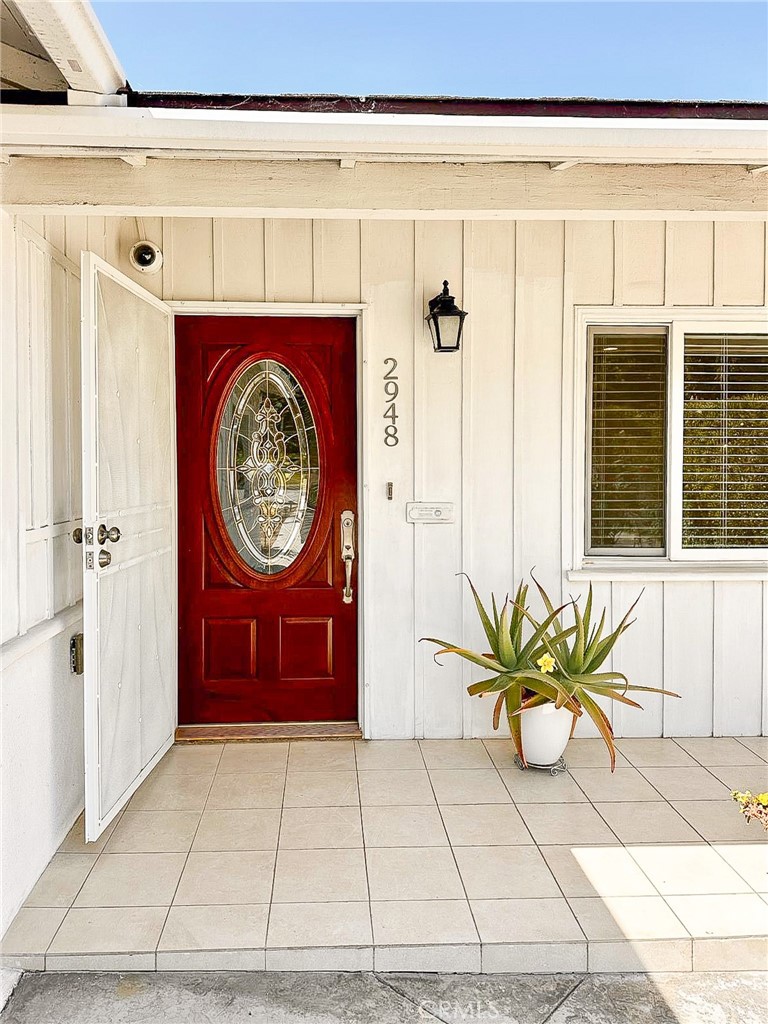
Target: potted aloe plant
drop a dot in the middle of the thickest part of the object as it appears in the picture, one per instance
(546, 676)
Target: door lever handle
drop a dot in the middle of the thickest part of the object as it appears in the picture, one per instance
(347, 551)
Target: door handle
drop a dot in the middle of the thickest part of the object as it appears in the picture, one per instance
(347, 551)
(103, 534)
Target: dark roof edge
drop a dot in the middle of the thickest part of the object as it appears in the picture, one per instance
(34, 97)
(455, 106)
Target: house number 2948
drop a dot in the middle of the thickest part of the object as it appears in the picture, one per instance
(391, 391)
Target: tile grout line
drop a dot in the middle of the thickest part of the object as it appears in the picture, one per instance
(668, 802)
(277, 851)
(365, 855)
(511, 797)
(632, 767)
(587, 801)
(321, 771)
(189, 851)
(72, 904)
(664, 799)
(740, 739)
(676, 740)
(640, 772)
(116, 819)
(453, 854)
(709, 843)
(698, 764)
(216, 773)
(101, 854)
(708, 767)
(590, 802)
(537, 847)
(605, 820)
(746, 881)
(625, 847)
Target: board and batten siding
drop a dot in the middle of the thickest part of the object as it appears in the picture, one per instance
(41, 704)
(41, 431)
(487, 430)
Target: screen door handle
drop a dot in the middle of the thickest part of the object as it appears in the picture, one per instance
(347, 551)
(103, 534)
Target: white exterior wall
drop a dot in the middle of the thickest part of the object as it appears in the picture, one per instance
(41, 757)
(484, 429)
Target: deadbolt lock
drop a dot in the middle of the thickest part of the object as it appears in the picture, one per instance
(104, 559)
(103, 534)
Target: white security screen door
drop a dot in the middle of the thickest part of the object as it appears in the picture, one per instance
(129, 537)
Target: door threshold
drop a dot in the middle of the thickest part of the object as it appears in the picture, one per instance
(268, 732)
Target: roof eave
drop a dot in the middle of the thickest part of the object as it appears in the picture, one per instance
(163, 132)
(73, 37)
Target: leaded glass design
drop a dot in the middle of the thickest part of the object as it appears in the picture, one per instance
(267, 466)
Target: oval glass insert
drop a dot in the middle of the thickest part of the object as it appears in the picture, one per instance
(267, 466)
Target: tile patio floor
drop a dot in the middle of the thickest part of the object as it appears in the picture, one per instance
(436, 855)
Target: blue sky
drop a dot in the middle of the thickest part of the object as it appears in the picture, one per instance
(613, 49)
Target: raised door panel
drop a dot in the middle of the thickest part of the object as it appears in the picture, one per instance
(306, 647)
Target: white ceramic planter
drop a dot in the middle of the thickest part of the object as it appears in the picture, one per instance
(546, 730)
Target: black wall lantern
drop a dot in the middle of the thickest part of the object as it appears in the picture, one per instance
(446, 321)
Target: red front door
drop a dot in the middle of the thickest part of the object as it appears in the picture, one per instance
(267, 464)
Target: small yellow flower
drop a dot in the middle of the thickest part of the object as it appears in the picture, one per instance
(546, 663)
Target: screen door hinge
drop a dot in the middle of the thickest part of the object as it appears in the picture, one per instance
(76, 654)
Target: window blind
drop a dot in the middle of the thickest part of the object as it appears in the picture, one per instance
(725, 441)
(628, 450)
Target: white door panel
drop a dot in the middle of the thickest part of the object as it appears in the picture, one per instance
(129, 452)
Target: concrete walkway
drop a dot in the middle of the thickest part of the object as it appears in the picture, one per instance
(310, 998)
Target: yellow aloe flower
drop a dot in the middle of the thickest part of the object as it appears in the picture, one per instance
(546, 663)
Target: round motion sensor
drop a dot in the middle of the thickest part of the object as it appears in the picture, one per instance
(146, 257)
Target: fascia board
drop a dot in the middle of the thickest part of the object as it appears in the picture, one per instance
(257, 132)
(75, 41)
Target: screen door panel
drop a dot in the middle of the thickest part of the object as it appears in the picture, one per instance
(129, 551)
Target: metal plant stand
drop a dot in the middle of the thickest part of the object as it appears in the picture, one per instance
(553, 769)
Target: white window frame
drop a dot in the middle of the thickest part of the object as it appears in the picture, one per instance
(677, 322)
